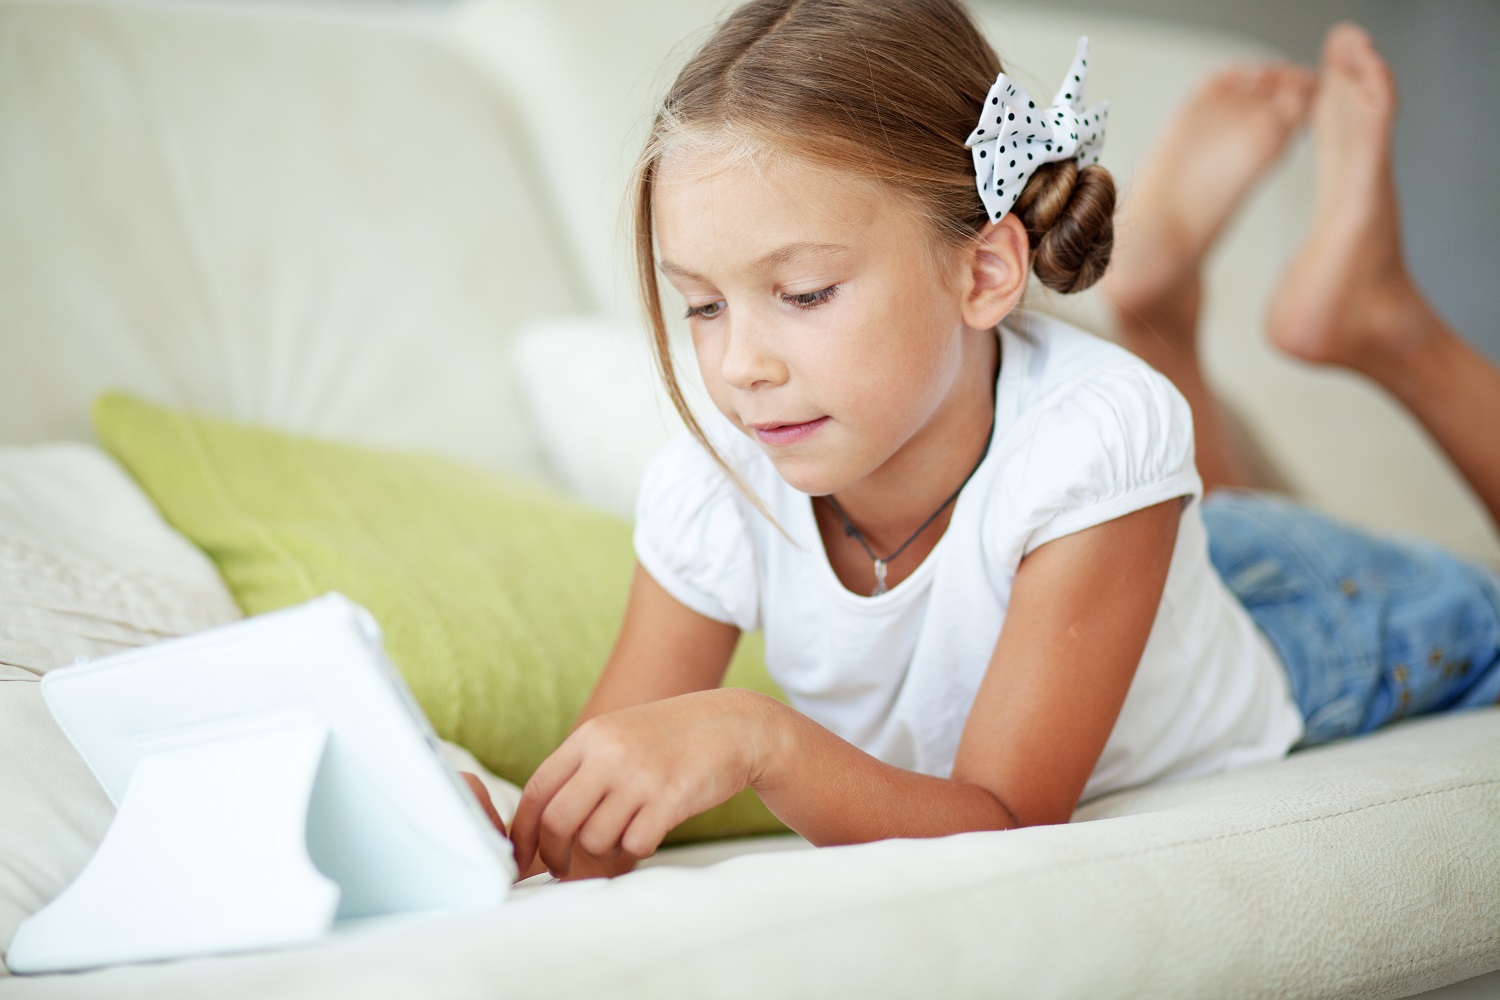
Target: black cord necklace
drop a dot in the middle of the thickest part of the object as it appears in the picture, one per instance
(850, 531)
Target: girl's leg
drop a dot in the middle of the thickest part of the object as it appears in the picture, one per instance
(1347, 298)
(1233, 128)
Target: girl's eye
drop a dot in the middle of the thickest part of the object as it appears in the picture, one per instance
(708, 311)
(811, 300)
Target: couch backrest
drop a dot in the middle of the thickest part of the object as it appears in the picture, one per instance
(318, 218)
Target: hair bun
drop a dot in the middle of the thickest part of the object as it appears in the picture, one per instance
(1069, 215)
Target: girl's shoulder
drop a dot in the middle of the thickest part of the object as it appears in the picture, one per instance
(683, 479)
(693, 530)
(1051, 358)
(684, 473)
(1086, 432)
(1062, 385)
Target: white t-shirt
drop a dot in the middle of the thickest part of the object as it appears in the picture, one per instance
(1084, 432)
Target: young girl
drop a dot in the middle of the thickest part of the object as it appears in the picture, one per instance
(976, 540)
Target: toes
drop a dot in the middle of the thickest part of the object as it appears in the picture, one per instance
(1345, 47)
(1231, 80)
(1374, 74)
(1349, 49)
(1293, 94)
(1350, 57)
(1303, 79)
(1263, 81)
(1290, 106)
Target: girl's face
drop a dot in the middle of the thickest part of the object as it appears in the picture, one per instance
(825, 328)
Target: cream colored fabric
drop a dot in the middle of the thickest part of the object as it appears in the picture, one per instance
(87, 565)
(317, 217)
(1330, 875)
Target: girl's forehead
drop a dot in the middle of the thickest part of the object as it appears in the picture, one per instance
(704, 197)
(767, 178)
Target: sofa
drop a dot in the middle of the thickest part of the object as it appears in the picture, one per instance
(370, 222)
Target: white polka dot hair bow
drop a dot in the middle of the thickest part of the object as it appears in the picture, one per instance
(1014, 136)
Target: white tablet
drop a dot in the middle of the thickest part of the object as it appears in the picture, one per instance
(272, 776)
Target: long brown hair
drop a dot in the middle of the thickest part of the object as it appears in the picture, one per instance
(886, 89)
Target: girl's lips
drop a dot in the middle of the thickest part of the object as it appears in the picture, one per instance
(789, 433)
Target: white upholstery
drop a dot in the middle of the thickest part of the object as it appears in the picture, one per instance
(334, 218)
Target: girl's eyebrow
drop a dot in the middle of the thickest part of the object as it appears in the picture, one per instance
(781, 255)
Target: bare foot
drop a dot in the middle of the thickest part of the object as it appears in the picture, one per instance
(1233, 127)
(1346, 298)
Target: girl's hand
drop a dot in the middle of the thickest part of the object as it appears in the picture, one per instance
(485, 802)
(624, 779)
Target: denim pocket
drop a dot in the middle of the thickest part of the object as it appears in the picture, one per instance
(1263, 581)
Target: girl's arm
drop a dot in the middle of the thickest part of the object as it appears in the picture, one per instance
(663, 649)
(1081, 610)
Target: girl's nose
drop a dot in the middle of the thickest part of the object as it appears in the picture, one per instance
(748, 363)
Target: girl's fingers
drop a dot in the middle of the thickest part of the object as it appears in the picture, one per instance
(485, 802)
(646, 831)
(525, 825)
(563, 817)
(600, 835)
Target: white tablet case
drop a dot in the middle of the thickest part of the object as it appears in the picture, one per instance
(271, 777)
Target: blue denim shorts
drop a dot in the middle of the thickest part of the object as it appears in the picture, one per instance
(1371, 629)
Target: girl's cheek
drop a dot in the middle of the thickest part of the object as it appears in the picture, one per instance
(706, 350)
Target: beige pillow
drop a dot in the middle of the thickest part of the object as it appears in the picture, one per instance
(87, 565)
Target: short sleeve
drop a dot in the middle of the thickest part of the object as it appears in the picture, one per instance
(1114, 442)
(692, 535)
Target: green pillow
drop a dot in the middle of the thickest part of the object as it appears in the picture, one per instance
(499, 600)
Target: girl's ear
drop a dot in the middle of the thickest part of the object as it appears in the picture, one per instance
(998, 266)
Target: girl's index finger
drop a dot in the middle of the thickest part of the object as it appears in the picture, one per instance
(476, 786)
(549, 778)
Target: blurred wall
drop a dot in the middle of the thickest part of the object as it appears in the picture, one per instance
(1447, 134)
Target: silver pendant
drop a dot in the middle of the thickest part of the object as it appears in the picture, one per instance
(880, 586)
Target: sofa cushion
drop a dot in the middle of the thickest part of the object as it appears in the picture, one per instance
(589, 389)
(499, 599)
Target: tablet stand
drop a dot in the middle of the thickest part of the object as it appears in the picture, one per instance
(208, 853)
(272, 776)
